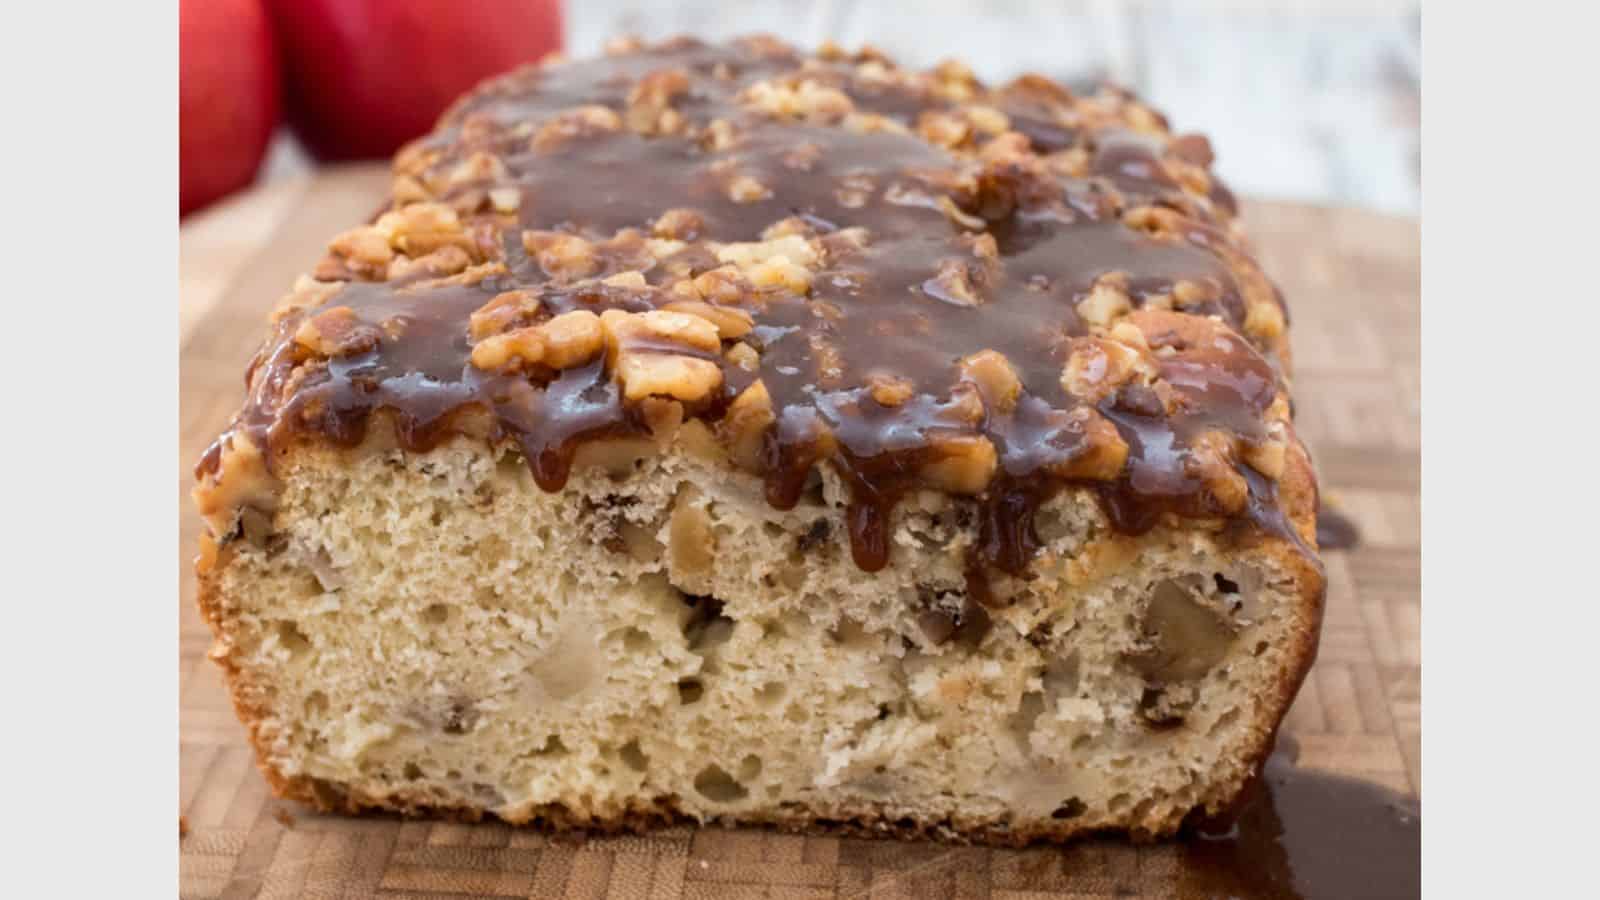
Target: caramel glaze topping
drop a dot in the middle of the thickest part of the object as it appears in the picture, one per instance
(924, 281)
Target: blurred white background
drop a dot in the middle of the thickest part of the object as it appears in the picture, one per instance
(1310, 100)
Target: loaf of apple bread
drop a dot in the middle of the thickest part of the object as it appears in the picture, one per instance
(729, 433)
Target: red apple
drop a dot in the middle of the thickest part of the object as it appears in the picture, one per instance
(365, 76)
(227, 96)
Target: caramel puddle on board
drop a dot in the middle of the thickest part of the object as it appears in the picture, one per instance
(1308, 835)
(1335, 530)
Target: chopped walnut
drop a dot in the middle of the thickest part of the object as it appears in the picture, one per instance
(1210, 458)
(807, 99)
(679, 224)
(572, 124)
(1264, 319)
(571, 339)
(746, 189)
(422, 228)
(997, 381)
(683, 377)
(478, 168)
(957, 215)
(624, 329)
(364, 251)
(953, 80)
(562, 256)
(987, 119)
(953, 284)
(450, 260)
(307, 292)
(780, 264)
(1097, 367)
(718, 136)
(1107, 301)
(943, 128)
(1008, 145)
(731, 323)
(791, 248)
(829, 362)
(745, 425)
(337, 332)
(519, 348)
(505, 310)
(1268, 455)
(505, 200)
(793, 226)
(632, 278)
(744, 356)
(963, 465)
(722, 285)
(650, 102)
(1104, 450)
(241, 480)
(889, 390)
(406, 190)
(635, 353)
(692, 542)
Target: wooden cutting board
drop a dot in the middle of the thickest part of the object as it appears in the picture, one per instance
(1352, 280)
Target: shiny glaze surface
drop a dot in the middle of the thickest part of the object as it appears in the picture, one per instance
(873, 310)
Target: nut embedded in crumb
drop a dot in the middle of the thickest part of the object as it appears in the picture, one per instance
(690, 539)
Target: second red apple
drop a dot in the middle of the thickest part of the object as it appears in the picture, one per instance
(365, 76)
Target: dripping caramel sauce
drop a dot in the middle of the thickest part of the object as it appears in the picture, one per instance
(1055, 235)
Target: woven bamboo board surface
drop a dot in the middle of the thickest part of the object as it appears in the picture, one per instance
(1352, 279)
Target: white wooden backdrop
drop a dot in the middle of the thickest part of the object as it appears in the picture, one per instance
(1316, 100)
